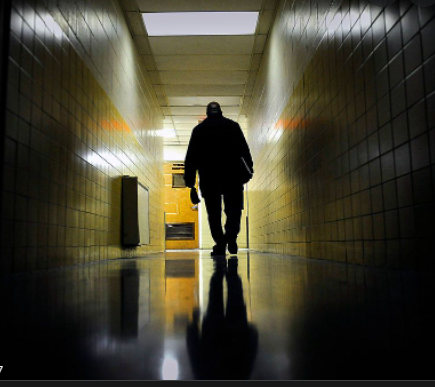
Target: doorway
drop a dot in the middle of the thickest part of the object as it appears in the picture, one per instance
(181, 216)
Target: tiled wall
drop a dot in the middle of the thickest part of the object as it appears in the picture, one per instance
(342, 133)
(79, 116)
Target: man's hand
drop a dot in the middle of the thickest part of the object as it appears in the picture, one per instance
(194, 198)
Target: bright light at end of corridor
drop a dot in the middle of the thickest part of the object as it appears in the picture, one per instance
(166, 133)
(200, 23)
(170, 369)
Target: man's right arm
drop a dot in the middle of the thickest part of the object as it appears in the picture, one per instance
(191, 161)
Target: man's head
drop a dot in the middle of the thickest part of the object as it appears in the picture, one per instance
(214, 110)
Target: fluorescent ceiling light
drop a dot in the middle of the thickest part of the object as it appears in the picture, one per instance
(200, 23)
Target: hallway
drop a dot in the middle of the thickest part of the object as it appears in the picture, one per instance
(105, 268)
(161, 317)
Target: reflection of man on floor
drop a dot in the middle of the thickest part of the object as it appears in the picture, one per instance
(227, 345)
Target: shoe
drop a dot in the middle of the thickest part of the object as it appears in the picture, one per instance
(232, 247)
(218, 250)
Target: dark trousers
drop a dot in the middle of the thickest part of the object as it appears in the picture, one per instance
(233, 201)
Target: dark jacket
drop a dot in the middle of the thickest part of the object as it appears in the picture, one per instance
(214, 151)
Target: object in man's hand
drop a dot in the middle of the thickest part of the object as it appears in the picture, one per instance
(194, 198)
(245, 172)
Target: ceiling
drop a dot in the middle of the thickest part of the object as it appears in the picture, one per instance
(188, 72)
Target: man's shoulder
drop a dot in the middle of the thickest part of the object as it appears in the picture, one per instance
(224, 121)
(229, 120)
(197, 127)
(230, 123)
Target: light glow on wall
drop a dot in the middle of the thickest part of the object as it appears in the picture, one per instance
(200, 23)
(53, 26)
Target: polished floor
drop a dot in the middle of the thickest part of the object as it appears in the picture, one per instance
(183, 315)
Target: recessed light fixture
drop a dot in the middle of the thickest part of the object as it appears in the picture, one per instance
(200, 23)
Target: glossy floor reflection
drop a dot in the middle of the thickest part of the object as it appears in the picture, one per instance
(185, 316)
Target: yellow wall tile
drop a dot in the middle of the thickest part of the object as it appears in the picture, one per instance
(85, 125)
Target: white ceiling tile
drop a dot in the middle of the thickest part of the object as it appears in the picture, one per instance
(171, 142)
(185, 133)
(198, 5)
(190, 71)
(204, 90)
(187, 123)
(203, 101)
(204, 45)
(203, 77)
(232, 117)
(200, 23)
(203, 62)
(199, 111)
(184, 127)
(231, 111)
(184, 111)
(185, 119)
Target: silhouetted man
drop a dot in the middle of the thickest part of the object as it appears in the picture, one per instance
(216, 149)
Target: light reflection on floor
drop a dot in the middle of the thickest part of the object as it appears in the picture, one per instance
(185, 316)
